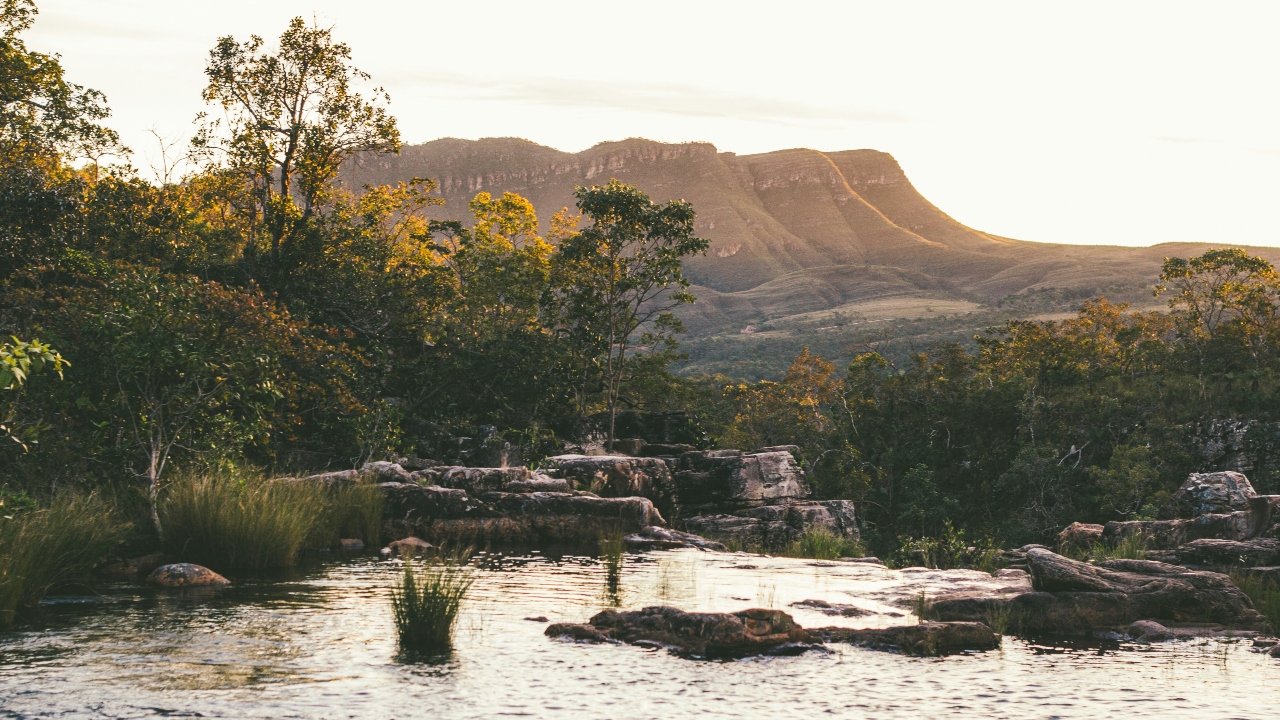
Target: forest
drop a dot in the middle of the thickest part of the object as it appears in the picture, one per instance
(243, 313)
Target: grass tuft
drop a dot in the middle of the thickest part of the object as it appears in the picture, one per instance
(822, 544)
(922, 608)
(1264, 594)
(44, 547)
(611, 553)
(426, 601)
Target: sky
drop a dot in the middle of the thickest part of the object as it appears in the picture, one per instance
(1124, 123)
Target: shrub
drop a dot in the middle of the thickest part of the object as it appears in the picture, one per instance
(822, 544)
(426, 602)
(242, 524)
(41, 548)
(1265, 595)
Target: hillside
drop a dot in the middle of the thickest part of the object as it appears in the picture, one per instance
(801, 241)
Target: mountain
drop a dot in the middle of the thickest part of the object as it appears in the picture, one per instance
(796, 235)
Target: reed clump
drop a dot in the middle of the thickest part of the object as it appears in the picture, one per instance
(822, 544)
(44, 547)
(427, 599)
(1265, 595)
(612, 546)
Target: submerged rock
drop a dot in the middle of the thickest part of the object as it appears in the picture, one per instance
(833, 609)
(409, 546)
(659, 538)
(702, 635)
(185, 575)
(926, 639)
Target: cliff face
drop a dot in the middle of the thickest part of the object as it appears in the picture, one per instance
(791, 231)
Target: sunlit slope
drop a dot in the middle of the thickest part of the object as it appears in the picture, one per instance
(792, 232)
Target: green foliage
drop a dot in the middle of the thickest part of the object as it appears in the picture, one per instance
(426, 601)
(47, 546)
(822, 544)
(1263, 593)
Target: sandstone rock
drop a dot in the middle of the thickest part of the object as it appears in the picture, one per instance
(773, 526)
(1209, 493)
(383, 472)
(1211, 551)
(659, 538)
(409, 546)
(618, 476)
(185, 575)
(1149, 631)
(1160, 534)
(1266, 574)
(452, 515)
(926, 639)
(665, 450)
(701, 635)
(1080, 535)
(628, 446)
(724, 481)
(832, 609)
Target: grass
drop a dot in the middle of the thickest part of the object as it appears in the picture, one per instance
(922, 608)
(1129, 547)
(250, 523)
(44, 547)
(1000, 618)
(611, 553)
(822, 544)
(1264, 594)
(426, 601)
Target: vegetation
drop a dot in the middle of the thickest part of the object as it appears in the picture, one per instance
(611, 553)
(1264, 594)
(51, 546)
(426, 601)
(822, 544)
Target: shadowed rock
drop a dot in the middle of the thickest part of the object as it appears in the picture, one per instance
(1250, 553)
(616, 476)
(927, 639)
(185, 575)
(1209, 493)
(659, 538)
(701, 635)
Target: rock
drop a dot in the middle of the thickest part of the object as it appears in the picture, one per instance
(185, 575)
(133, 568)
(869, 560)
(1149, 631)
(659, 538)
(926, 639)
(475, 480)
(383, 472)
(1250, 553)
(1275, 652)
(628, 446)
(726, 481)
(537, 618)
(619, 476)
(701, 635)
(539, 483)
(351, 544)
(665, 450)
(1160, 534)
(833, 609)
(409, 546)
(773, 526)
(1209, 493)
(1266, 574)
(1079, 535)
(523, 519)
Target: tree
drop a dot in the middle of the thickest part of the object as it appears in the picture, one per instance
(624, 273)
(20, 360)
(290, 119)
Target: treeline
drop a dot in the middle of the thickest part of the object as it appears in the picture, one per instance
(251, 310)
(1047, 422)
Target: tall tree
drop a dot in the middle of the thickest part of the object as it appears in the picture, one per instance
(623, 273)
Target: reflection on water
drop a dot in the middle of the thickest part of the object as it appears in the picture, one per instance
(321, 644)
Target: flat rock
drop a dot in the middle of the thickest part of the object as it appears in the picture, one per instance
(926, 639)
(757, 631)
(832, 609)
(1249, 553)
(660, 538)
(185, 575)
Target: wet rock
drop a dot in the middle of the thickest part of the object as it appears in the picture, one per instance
(409, 546)
(1079, 535)
(926, 639)
(351, 544)
(1249, 553)
(537, 618)
(1149, 631)
(452, 515)
(729, 480)
(619, 476)
(185, 575)
(832, 609)
(701, 635)
(1209, 493)
(659, 538)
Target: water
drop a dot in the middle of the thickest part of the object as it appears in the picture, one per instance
(321, 644)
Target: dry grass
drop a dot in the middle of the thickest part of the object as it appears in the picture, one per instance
(822, 544)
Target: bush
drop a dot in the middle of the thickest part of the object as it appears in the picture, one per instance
(242, 524)
(822, 544)
(42, 548)
(426, 602)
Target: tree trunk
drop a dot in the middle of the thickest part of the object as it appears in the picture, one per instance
(153, 492)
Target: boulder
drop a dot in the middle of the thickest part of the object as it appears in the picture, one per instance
(515, 519)
(926, 639)
(724, 481)
(659, 538)
(409, 546)
(185, 575)
(1160, 534)
(1209, 493)
(1079, 535)
(1149, 631)
(700, 635)
(773, 526)
(1217, 552)
(617, 476)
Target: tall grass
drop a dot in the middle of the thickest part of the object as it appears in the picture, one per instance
(426, 601)
(611, 553)
(1129, 547)
(1265, 595)
(45, 547)
(822, 544)
(251, 523)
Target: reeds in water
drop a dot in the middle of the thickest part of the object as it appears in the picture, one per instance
(611, 554)
(1264, 594)
(822, 544)
(48, 546)
(426, 600)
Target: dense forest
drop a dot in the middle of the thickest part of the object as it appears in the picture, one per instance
(250, 312)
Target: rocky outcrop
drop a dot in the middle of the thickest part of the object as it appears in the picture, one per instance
(1209, 493)
(1258, 552)
(185, 575)
(619, 476)
(729, 480)
(1079, 535)
(926, 639)
(477, 481)
(660, 538)
(774, 526)
(443, 514)
(697, 635)
(1072, 598)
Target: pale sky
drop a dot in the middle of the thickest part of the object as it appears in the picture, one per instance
(1078, 122)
